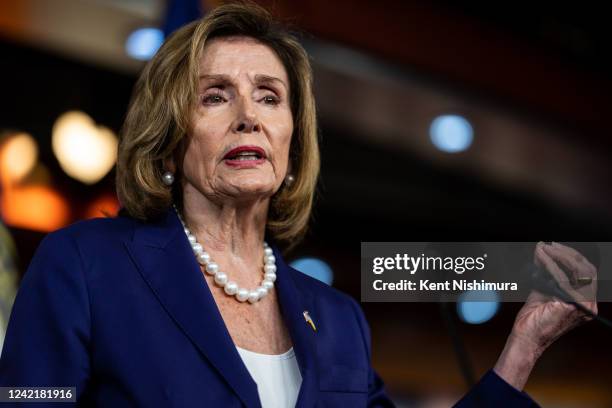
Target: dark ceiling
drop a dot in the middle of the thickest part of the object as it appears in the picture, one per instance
(577, 33)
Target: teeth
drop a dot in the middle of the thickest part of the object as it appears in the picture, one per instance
(247, 154)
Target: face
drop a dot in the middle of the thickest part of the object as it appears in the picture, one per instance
(241, 127)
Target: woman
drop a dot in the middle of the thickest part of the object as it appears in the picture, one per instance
(180, 301)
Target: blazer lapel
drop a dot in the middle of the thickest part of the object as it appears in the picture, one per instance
(293, 304)
(166, 262)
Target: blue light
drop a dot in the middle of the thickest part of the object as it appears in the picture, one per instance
(451, 133)
(142, 44)
(315, 268)
(477, 306)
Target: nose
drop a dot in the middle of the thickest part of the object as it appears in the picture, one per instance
(246, 119)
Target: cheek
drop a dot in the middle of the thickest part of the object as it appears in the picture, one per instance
(201, 150)
(283, 133)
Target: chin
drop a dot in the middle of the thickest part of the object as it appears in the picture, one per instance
(249, 191)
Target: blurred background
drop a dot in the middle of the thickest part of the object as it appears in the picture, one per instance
(439, 121)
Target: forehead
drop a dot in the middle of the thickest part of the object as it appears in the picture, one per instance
(238, 55)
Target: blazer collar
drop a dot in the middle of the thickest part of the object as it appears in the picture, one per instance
(294, 301)
(165, 260)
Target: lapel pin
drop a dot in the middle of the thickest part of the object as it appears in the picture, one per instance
(309, 320)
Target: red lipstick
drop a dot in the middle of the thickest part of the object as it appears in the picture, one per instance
(246, 156)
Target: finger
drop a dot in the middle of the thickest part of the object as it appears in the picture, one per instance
(579, 257)
(568, 249)
(573, 267)
(536, 260)
(585, 295)
(583, 275)
(554, 270)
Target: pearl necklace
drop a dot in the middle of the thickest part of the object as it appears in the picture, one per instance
(222, 280)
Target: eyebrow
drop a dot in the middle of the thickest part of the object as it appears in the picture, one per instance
(270, 79)
(259, 78)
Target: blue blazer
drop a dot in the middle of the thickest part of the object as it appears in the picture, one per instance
(119, 309)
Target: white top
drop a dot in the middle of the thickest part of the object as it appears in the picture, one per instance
(277, 377)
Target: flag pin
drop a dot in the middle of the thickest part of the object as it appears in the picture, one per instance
(309, 320)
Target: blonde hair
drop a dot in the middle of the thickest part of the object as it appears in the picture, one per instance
(164, 96)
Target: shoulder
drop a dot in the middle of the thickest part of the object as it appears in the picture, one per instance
(95, 229)
(79, 253)
(65, 255)
(93, 233)
(88, 239)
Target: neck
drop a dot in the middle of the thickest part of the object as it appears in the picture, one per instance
(234, 229)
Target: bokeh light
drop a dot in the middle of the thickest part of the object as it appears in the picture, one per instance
(103, 206)
(37, 208)
(451, 133)
(315, 268)
(18, 156)
(85, 151)
(143, 43)
(477, 306)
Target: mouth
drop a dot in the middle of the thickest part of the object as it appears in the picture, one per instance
(245, 156)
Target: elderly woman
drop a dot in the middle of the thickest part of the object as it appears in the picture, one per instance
(184, 299)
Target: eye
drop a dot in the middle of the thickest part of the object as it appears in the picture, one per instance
(213, 98)
(271, 100)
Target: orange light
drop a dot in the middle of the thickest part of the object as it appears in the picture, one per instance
(104, 206)
(35, 207)
(18, 155)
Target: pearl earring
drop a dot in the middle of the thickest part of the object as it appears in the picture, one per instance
(168, 178)
(289, 179)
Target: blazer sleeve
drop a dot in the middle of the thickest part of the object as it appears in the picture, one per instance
(48, 334)
(377, 396)
(491, 390)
